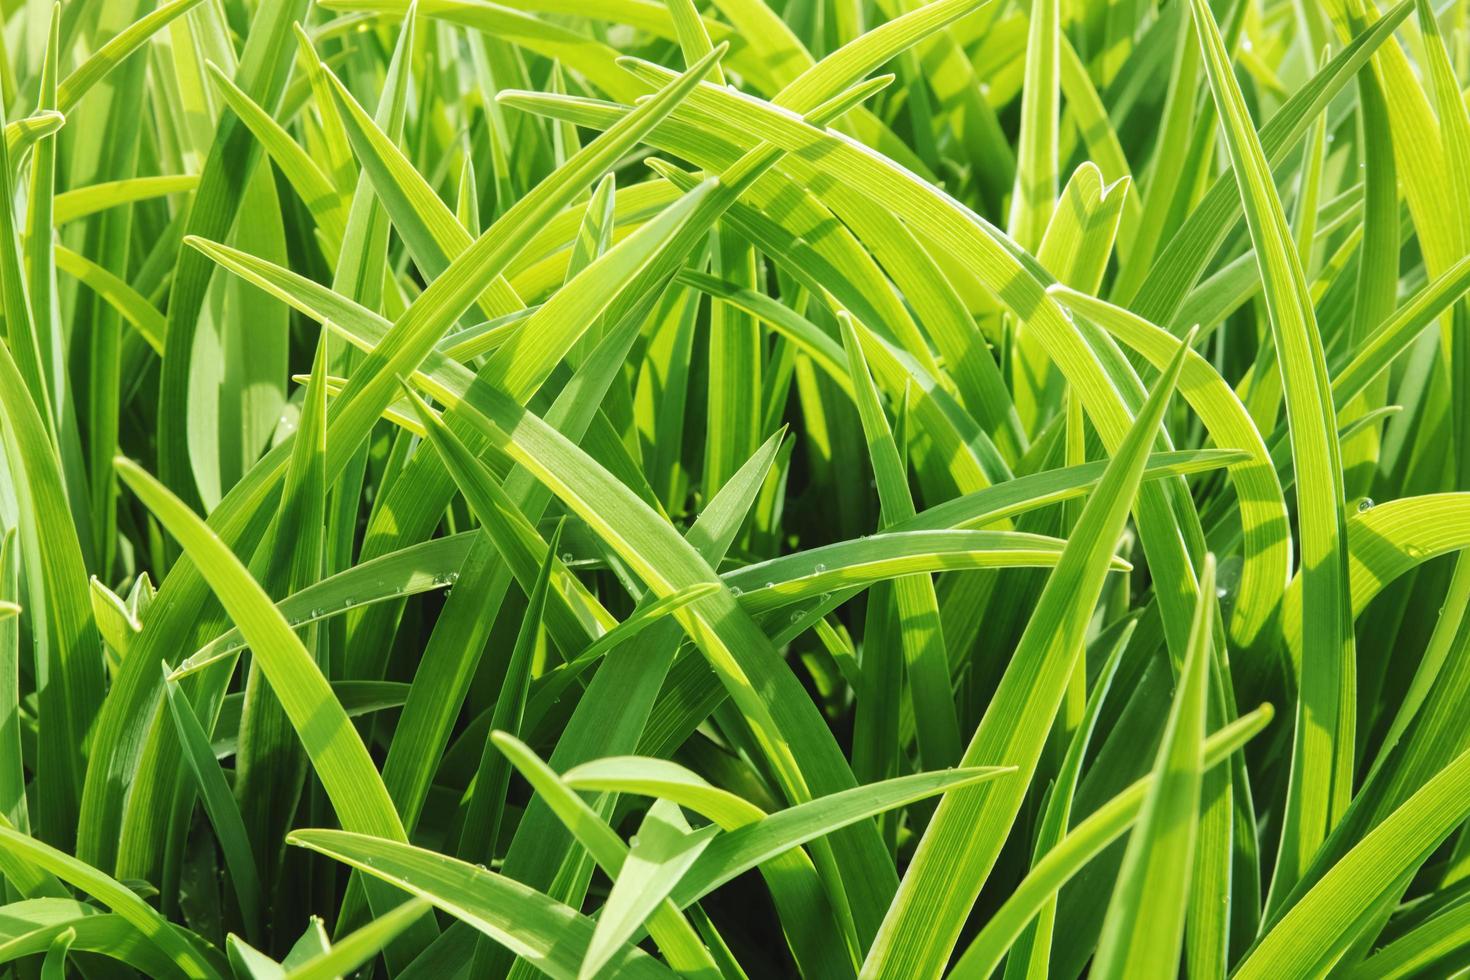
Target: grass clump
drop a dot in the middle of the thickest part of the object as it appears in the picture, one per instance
(757, 488)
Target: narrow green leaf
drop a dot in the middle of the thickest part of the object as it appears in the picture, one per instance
(1323, 751)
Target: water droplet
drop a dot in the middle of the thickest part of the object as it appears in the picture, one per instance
(796, 616)
(566, 557)
(735, 591)
(633, 841)
(1220, 593)
(1366, 504)
(770, 585)
(820, 568)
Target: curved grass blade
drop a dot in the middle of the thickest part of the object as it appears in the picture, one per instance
(674, 935)
(1323, 751)
(56, 582)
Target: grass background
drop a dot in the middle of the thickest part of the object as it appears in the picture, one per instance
(735, 489)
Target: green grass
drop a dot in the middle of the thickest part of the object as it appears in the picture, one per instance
(734, 489)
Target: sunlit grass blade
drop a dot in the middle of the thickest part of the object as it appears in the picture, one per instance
(591, 831)
(1316, 932)
(1323, 753)
(57, 583)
